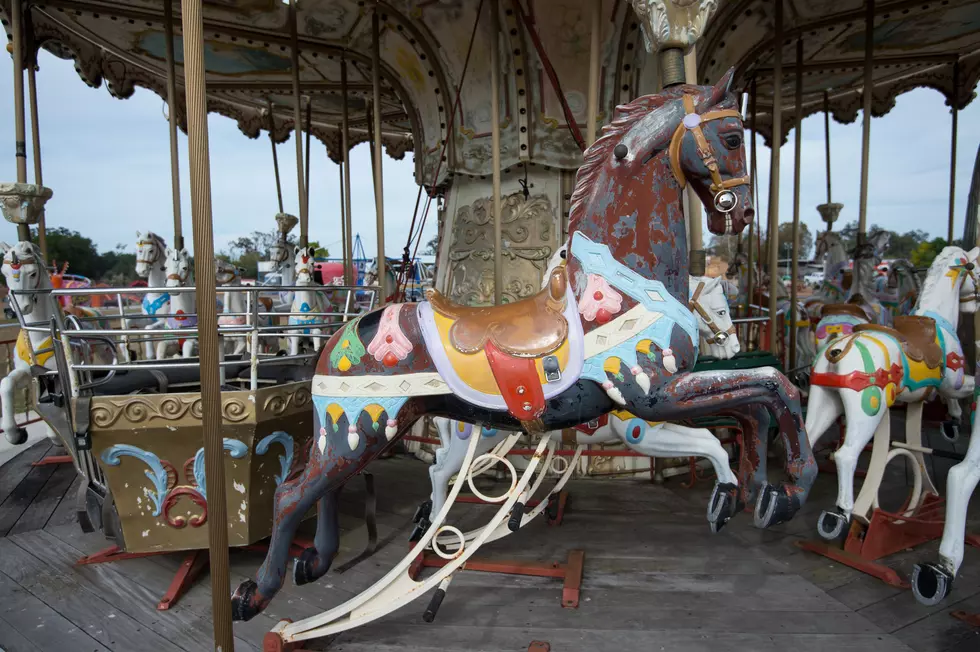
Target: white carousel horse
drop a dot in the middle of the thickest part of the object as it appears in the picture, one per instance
(150, 252)
(182, 305)
(900, 289)
(284, 254)
(932, 582)
(710, 303)
(24, 270)
(863, 374)
(228, 275)
(831, 245)
(305, 301)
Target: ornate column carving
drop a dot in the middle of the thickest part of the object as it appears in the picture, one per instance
(671, 27)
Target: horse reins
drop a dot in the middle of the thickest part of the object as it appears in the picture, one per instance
(719, 336)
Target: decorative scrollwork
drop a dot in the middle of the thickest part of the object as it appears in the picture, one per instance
(179, 521)
(170, 408)
(234, 410)
(277, 404)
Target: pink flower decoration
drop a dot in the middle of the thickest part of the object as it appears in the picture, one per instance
(599, 295)
(390, 338)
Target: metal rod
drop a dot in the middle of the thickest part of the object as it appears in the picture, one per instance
(343, 226)
(594, 51)
(168, 26)
(42, 235)
(379, 199)
(309, 131)
(498, 238)
(794, 270)
(952, 152)
(868, 94)
(204, 268)
(697, 260)
(304, 232)
(20, 138)
(345, 144)
(775, 145)
(826, 138)
(750, 289)
(275, 156)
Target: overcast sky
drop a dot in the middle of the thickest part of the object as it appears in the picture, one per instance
(107, 161)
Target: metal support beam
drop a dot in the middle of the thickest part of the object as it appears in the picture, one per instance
(777, 129)
(168, 28)
(345, 144)
(594, 51)
(753, 235)
(304, 225)
(42, 234)
(498, 254)
(952, 153)
(204, 268)
(698, 261)
(867, 95)
(795, 272)
(826, 140)
(379, 199)
(20, 137)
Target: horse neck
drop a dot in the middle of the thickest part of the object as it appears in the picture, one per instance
(942, 300)
(183, 301)
(41, 315)
(157, 277)
(307, 296)
(643, 229)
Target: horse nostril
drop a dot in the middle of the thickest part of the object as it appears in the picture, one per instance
(749, 214)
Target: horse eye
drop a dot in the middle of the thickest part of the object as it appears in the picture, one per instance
(721, 313)
(732, 141)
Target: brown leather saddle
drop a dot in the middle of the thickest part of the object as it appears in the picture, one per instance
(529, 328)
(850, 309)
(917, 335)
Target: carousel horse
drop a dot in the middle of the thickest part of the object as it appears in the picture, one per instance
(831, 290)
(932, 582)
(183, 305)
(901, 288)
(795, 317)
(24, 270)
(652, 439)
(150, 253)
(863, 374)
(304, 302)
(228, 275)
(611, 331)
(737, 278)
(284, 254)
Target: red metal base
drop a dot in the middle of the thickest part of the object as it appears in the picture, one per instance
(539, 646)
(531, 504)
(883, 536)
(570, 571)
(53, 459)
(973, 540)
(972, 620)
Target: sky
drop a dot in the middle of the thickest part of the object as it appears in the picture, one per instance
(107, 161)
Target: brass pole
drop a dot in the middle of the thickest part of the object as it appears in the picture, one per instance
(498, 237)
(20, 138)
(168, 26)
(794, 269)
(379, 200)
(343, 227)
(309, 132)
(952, 152)
(750, 289)
(42, 235)
(204, 270)
(698, 262)
(826, 140)
(775, 144)
(593, 113)
(345, 144)
(275, 157)
(868, 93)
(304, 225)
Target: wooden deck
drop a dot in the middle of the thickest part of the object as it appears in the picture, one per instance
(655, 579)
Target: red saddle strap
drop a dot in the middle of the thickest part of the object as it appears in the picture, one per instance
(518, 381)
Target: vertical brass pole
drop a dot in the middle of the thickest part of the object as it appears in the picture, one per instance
(343, 227)
(867, 95)
(498, 254)
(20, 138)
(826, 140)
(379, 198)
(204, 269)
(275, 156)
(952, 152)
(775, 143)
(698, 262)
(593, 112)
(750, 286)
(309, 132)
(794, 269)
(304, 225)
(42, 235)
(168, 26)
(345, 143)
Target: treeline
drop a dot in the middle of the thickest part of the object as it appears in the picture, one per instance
(117, 267)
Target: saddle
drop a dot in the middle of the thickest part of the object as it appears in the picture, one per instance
(529, 328)
(850, 309)
(917, 335)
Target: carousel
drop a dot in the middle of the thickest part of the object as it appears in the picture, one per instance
(570, 155)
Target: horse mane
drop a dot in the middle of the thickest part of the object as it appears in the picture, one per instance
(625, 117)
(944, 260)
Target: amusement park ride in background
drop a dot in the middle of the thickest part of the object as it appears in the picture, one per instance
(565, 290)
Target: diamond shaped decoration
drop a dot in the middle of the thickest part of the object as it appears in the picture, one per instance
(653, 294)
(628, 325)
(374, 387)
(405, 386)
(344, 387)
(435, 383)
(601, 340)
(22, 203)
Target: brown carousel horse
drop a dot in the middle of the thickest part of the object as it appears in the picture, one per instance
(611, 330)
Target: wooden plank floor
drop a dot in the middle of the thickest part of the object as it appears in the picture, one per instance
(655, 579)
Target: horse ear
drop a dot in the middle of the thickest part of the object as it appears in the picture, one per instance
(4, 247)
(711, 283)
(183, 252)
(721, 89)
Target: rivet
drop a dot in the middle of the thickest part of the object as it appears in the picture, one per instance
(527, 407)
(520, 390)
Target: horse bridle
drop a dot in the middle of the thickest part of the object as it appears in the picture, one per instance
(15, 264)
(725, 200)
(156, 251)
(718, 336)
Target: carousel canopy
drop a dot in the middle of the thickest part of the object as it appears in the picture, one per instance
(545, 56)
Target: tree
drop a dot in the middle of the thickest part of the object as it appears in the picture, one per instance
(926, 252)
(723, 247)
(318, 251)
(901, 245)
(786, 237)
(432, 247)
(67, 246)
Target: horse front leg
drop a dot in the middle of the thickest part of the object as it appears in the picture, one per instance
(8, 385)
(315, 562)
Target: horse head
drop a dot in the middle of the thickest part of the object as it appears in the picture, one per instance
(24, 270)
(304, 262)
(709, 301)
(227, 273)
(150, 249)
(178, 267)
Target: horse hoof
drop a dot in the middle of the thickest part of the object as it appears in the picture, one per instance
(420, 529)
(931, 584)
(304, 568)
(773, 507)
(16, 436)
(832, 526)
(951, 431)
(422, 512)
(243, 606)
(722, 506)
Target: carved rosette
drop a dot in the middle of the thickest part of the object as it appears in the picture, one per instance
(22, 203)
(673, 23)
